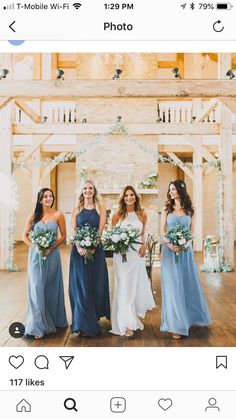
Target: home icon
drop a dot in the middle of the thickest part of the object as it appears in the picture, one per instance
(23, 406)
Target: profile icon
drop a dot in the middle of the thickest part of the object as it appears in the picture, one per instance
(17, 330)
(212, 405)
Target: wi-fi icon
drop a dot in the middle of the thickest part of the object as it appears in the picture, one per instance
(77, 5)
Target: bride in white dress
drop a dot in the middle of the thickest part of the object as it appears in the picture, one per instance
(132, 294)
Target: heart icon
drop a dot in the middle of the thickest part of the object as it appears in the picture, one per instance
(165, 404)
(16, 361)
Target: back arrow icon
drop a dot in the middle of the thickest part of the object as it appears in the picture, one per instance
(215, 26)
(10, 26)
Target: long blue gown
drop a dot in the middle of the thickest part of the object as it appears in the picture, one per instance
(46, 308)
(183, 302)
(88, 284)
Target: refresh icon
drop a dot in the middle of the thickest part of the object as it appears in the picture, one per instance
(217, 26)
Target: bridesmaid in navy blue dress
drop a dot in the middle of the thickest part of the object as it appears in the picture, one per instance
(183, 302)
(46, 308)
(88, 283)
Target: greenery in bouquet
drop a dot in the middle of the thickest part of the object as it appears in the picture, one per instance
(178, 235)
(120, 239)
(86, 237)
(43, 240)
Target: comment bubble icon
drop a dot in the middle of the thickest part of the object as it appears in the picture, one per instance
(41, 362)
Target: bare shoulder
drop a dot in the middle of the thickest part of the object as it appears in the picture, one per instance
(102, 209)
(73, 212)
(164, 210)
(30, 217)
(59, 215)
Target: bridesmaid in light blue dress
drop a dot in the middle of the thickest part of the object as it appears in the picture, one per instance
(183, 301)
(46, 308)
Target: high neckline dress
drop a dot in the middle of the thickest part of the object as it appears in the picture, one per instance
(88, 284)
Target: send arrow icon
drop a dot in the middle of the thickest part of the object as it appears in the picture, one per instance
(67, 360)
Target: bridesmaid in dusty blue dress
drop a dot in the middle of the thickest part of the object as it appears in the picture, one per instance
(46, 308)
(88, 283)
(183, 302)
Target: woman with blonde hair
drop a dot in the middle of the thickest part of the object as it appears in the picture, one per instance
(132, 295)
(88, 282)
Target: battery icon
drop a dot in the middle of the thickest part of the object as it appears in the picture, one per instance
(224, 6)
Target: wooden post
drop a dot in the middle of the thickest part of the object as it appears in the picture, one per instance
(36, 172)
(53, 184)
(47, 66)
(226, 157)
(198, 199)
(224, 64)
(6, 241)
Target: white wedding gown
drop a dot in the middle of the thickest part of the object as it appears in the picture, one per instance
(132, 293)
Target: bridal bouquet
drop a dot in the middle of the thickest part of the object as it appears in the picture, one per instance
(178, 235)
(43, 240)
(120, 239)
(86, 237)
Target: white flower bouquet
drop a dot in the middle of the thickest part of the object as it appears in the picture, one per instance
(119, 239)
(86, 237)
(178, 235)
(43, 240)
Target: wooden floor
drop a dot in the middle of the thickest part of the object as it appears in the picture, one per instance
(220, 291)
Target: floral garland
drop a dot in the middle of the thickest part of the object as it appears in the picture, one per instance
(10, 266)
(119, 129)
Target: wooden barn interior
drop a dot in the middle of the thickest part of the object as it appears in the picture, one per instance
(181, 106)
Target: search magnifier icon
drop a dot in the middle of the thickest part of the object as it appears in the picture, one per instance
(70, 404)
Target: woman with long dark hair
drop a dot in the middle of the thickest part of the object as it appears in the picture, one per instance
(88, 282)
(132, 295)
(46, 308)
(183, 302)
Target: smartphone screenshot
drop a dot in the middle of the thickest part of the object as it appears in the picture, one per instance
(117, 209)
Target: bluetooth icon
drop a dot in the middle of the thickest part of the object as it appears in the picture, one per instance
(192, 6)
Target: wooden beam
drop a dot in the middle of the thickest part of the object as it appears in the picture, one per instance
(54, 65)
(180, 65)
(213, 56)
(28, 110)
(224, 64)
(118, 88)
(4, 101)
(66, 64)
(36, 174)
(52, 166)
(207, 109)
(200, 149)
(38, 141)
(132, 129)
(179, 162)
(37, 66)
(230, 103)
(47, 66)
(167, 64)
